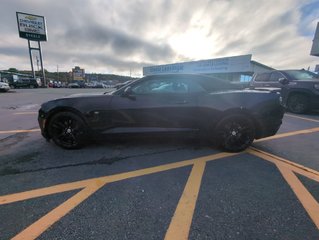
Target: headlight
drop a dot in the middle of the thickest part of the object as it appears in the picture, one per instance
(316, 86)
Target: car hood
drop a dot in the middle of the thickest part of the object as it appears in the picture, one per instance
(80, 101)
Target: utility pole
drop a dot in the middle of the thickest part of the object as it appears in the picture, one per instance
(57, 69)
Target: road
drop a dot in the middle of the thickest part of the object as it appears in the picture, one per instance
(154, 188)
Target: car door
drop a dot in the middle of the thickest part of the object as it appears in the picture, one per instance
(154, 103)
(261, 80)
(274, 80)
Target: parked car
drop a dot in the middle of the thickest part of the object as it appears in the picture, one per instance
(299, 88)
(73, 85)
(165, 103)
(24, 83)
(4, 87)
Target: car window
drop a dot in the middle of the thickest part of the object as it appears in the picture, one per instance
(262, 77)
(210, 84)
(161, 86)
(301, 74)
(275, 76)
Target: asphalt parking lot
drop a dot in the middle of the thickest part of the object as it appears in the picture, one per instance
(154, 188)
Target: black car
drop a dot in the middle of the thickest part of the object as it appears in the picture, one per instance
(165, 103)
(299, 88)
(24, 83)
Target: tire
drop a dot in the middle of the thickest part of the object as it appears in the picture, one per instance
(235, 133)
(298, 103)
(67, 130)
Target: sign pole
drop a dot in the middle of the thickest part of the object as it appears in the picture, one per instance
(41, 60)
(30, 53)
(33, 28)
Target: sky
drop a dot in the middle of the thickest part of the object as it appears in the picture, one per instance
(122, 36)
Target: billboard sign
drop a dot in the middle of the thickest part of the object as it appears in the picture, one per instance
(217, 65)
(31, 27)
(78, 74)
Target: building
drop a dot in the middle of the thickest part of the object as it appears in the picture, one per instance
(78, 74)
(234, 69)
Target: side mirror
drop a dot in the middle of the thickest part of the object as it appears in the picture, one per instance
(283, 81)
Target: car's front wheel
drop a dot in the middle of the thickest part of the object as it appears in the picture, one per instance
(298, 103)
(235, 133)
(67, 130)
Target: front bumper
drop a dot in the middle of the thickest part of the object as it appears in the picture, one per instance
(42, 124)
(4, 88)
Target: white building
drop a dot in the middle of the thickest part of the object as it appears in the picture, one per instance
(237, 68)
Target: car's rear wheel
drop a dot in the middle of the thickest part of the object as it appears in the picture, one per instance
(298, 103)
(235, 133)
(67, 130)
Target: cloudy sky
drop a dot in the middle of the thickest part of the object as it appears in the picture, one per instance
(116, 36)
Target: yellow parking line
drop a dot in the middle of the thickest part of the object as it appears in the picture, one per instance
(288, 134)
(306, 199)
(92, 185)
(20, 131)
(10, 198)
(287, 169)
(25, 113)
(38, 227)
(303, 118)
(274, 159)
(182, 219)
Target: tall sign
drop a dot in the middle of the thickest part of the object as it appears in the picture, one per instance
(33, 28)
(78, 73)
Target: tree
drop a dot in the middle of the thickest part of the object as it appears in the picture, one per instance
(13, 70)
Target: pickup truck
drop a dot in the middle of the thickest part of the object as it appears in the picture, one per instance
(299, 88)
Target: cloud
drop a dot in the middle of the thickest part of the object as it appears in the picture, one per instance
(117, 35)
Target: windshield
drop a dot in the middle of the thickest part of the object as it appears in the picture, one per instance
(302, 75)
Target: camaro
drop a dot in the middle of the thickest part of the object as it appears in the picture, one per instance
(211, 107)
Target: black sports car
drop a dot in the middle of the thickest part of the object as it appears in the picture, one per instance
(165, 103)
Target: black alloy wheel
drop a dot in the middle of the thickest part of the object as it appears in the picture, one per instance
(298, 103)
(67, 130)
(235, 133)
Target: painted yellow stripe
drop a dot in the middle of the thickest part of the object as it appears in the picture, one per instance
(182, 219)
(306, 199)
(303, 118)
(287, 169)
(274, 158)
(92, 185)
(43, 192)
(288, 134)
(10, 198)
(20, 131)
(25, 113)
(302, 170)
(40, 226)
